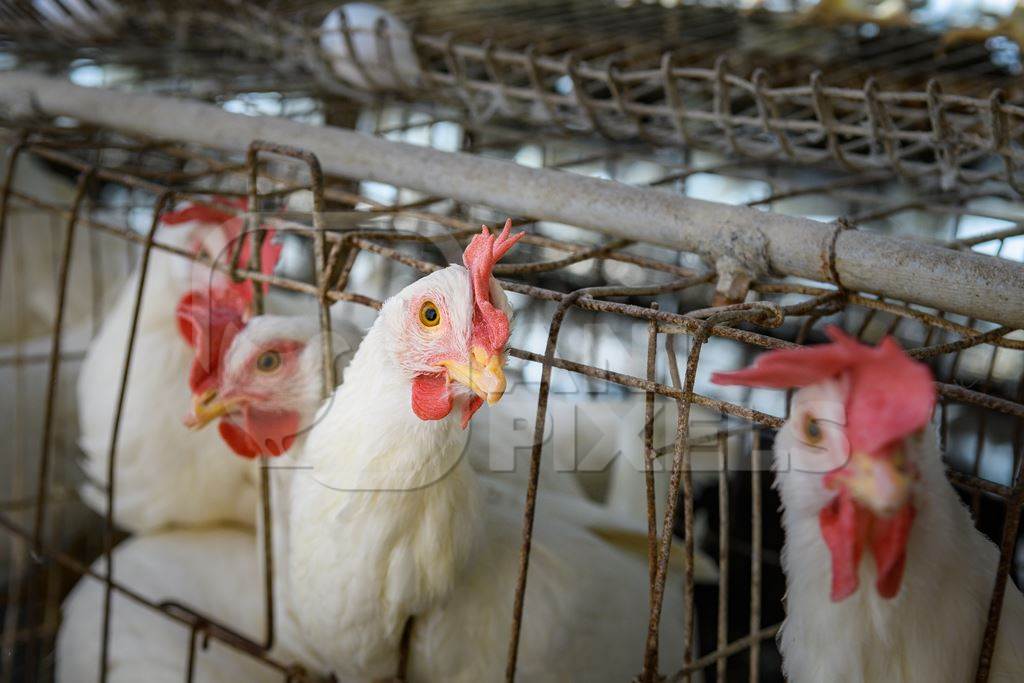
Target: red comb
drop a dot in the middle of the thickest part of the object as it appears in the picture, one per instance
(890, 395)
(799, 367)
(209, 324)
(490, 326)
(204, 213)
(222, 213)
(270, 251)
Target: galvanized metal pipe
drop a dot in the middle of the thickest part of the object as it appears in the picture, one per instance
(960, 282)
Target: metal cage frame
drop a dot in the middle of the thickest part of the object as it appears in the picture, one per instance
(752, 324)
(951, 121)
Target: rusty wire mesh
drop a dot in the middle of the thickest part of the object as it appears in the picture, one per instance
(903, 100)
(565, 278)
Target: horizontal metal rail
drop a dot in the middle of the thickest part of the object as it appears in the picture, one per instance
(924, 106)
(960, 282)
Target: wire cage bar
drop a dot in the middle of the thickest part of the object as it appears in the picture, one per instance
(929, 107)
(666, 293)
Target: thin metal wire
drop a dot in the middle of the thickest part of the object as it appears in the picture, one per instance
(650, 456)
(679, 461)
(755, 563)
(10, 163)
(723, 553)
(162, 202)
(51, 388)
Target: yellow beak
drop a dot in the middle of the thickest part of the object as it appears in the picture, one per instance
(880, 484)
(483, 374)
(206, 408)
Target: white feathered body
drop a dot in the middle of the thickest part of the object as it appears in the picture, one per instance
(388, 521)
(166, 474)
(212, 570)
(931, 631)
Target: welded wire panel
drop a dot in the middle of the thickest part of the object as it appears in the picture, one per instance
(941, 109)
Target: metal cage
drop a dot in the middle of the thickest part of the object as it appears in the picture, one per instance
(676, 129)
(904, 99)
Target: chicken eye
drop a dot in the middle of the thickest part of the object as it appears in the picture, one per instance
(812, 430)
(430, 316)
(268, 361)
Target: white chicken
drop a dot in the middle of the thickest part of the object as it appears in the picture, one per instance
(267, 393)
(388, 521)
(164, 474)
(371, 62)
(211, 570)
(32, 249)
(859, 472)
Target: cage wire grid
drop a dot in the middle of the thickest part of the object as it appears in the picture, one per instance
(781, 313)
(933, 108)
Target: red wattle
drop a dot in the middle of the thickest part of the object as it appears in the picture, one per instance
(471, 407)
(848, 527)
(273, 431)
(889, 546)
(431, 399)
(237, 439)
(261, 432)
(844, 526)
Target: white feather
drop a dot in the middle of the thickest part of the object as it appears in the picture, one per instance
(388, 521)
(212, 570)
(166, 474)
(459, 578)
(932, 629)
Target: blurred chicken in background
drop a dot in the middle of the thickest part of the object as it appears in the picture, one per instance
(164, 478)
(31, 260)
(33, 243)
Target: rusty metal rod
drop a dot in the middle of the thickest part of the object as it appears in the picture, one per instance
(722, 631)
(649, 460)
(1011, 524)
(53, 378)
(163, 201)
